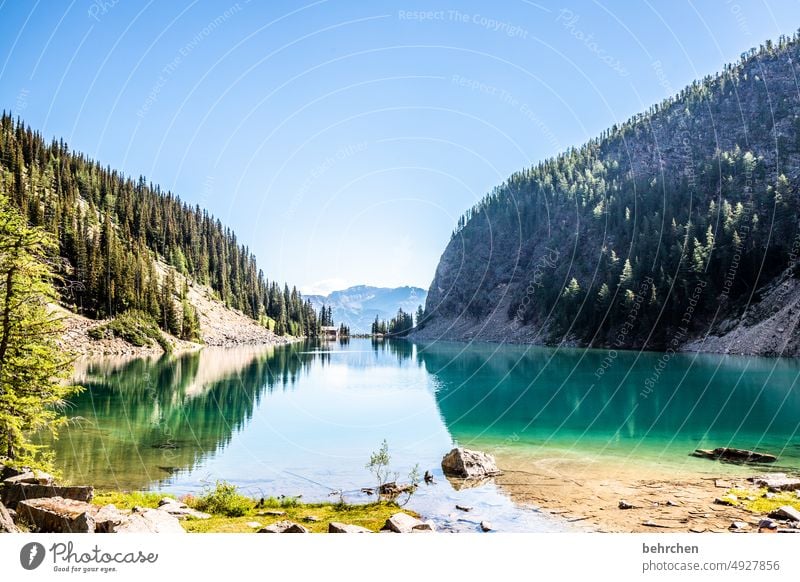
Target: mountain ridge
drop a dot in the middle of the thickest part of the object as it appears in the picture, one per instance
(357, 306)
(664, 230)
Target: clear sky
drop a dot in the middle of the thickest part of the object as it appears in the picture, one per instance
(341, 140)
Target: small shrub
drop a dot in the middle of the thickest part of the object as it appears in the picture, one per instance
(224, 499)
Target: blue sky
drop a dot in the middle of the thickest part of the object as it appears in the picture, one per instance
(341, 140)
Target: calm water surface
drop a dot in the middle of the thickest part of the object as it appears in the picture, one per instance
(303, 419)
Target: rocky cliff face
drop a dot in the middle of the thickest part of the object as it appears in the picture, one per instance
(677, 227)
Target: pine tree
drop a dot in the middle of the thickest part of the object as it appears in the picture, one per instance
(32, 366)
(420, 315)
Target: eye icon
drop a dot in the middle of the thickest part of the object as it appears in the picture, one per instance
(31, 555)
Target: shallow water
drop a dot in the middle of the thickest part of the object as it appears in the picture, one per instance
(303, 419)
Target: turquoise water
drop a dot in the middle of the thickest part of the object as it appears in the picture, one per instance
(303, 419)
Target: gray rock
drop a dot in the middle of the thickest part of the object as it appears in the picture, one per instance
(464, 507)
(30, 477)
(336, 527)
(786, 512)
(311, 519)
(776, 482)
(6, 523)
(468, 464)
(142, 520)
(404, 523)
(6, 472)
(735, 455)
(11, 495)
(108, 518)
(273, 513)
(180, 510)
(624, 505)
(738, 525)
(284, 526)
(767, 526)
(57, 515)
(486, 526)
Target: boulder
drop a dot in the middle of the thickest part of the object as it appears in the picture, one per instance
(404, 523)
(6, 523)
(31, 477)
(143, 520)
(336, 527)
(767, 526)
(57, 515)
(6, 472)
(786, 512)
(108, 518)
(468, 464)
(180, 510)
(776, 482)
(486, 526)
(284, 526)
(735, 455)
(12, 494)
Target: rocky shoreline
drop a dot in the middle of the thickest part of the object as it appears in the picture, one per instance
(32, 501)
(631, 497)
(219, 327)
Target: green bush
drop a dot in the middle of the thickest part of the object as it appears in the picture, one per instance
(224, 499)
(135, 327)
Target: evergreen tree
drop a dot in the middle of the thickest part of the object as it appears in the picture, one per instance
(32, 366)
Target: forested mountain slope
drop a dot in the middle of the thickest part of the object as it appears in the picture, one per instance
(679, 224)
(112, 230)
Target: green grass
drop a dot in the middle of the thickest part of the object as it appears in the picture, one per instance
(371, 515)
(761, 504)
(128, 500)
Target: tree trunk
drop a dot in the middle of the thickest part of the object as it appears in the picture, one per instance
(6, 326)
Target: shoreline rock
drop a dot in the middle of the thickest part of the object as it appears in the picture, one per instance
(734, 455)
(285, 526)
(403, 523)
(468, 464)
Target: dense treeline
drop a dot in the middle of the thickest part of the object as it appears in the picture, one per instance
(671, 220)
(111, 229)
(400, 325)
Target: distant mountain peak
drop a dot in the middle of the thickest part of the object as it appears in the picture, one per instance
(358, 305)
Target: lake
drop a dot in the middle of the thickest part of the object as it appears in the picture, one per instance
(303, 419)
